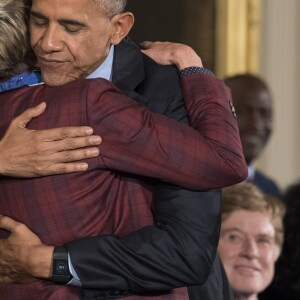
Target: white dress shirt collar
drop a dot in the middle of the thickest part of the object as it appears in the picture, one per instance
(105, 69)
(251, 172)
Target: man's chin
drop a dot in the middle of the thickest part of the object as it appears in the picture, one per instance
(251, 152)
(249, 288)
(51, 80)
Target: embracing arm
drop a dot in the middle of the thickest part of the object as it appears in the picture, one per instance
(32, 153)
(178, 251)
(210, 110)
(140, 142)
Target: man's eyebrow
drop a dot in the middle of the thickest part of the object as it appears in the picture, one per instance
(37, 15)
(72, 22)
(266, 235)
(61, 21)
(230, 229)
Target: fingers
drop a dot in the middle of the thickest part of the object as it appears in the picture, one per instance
(5, 278)
(64, 155)
(56, 133)
(65, 168)
(33, 153)
(74, 155)
(145, 45)
(23, 119)
(30, 153)
(161, 52)
(64, 133)
(166, 53)
(8, 223)
(67, 162)
(10, 277)
(52, 147)
(61, 141)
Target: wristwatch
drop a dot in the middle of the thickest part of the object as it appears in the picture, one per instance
(60, 264)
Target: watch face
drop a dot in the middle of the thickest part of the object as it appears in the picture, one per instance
(60, 270)
(61, 267)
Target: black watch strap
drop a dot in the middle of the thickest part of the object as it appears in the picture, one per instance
(60, 270)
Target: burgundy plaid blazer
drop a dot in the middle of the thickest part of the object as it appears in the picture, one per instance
(106, 200)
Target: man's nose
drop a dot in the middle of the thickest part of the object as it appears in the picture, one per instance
(250, 248)
(51, 40)
(255, 121)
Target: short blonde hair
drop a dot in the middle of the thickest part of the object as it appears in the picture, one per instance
(15, 52)
(246, 196)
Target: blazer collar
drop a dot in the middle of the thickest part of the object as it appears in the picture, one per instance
(128, 68)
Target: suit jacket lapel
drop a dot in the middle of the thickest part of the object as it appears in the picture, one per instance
(128, 69)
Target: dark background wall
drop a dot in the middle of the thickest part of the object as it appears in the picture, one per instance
(186, 21)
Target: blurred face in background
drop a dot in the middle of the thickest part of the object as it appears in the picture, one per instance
(253, 106)
(248, 250)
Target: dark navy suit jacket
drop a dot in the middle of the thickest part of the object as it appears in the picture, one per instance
(266, 184)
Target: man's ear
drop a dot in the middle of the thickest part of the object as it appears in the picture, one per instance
(122, 24)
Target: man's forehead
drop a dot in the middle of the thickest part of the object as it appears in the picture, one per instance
(66, 6)
(258, 96)
(248, 221)
(259, 232)
(79, 12)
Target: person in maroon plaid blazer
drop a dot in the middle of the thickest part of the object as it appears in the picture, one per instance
(167, 208)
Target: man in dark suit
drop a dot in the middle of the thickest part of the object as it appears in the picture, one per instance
(254, 107)
(136, 87)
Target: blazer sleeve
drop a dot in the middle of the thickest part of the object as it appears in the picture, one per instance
(138, 141)
(178, 250)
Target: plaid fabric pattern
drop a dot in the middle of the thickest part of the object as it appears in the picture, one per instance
(62, 208)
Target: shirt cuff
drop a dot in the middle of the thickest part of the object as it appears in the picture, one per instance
(75, 280)
(195, 70)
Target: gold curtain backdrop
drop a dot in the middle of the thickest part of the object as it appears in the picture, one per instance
(238, 25)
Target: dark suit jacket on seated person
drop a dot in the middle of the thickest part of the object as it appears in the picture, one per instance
(111, 245)
(266, 184)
